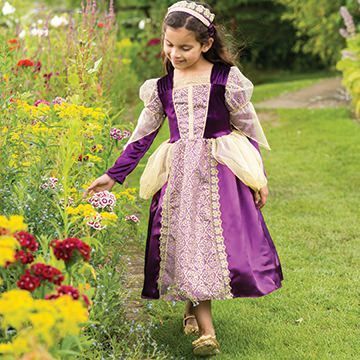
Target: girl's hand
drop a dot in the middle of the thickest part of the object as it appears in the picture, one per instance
(104, 182)
(261, 196)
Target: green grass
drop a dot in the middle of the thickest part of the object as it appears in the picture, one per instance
(313, 217)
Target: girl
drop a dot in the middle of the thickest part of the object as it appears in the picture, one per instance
(207, 238)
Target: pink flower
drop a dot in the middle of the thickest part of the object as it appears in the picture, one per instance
(41, 101)
(103, 200)
(132, 218)
(154, 41)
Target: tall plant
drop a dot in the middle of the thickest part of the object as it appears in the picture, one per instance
(350, 62)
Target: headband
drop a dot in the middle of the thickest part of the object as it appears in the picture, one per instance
(199, 11)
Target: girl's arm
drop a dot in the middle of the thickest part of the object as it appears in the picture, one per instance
(148, 126)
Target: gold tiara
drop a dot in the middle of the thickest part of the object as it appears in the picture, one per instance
(199, 11)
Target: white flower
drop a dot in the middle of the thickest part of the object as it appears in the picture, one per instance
(8, 9)
(57, 21)
(39, 32)
(142, 24)
(22, 34)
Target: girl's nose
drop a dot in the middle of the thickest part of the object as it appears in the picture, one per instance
(174, 54)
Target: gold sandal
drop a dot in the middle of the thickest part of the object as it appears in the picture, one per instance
(206, 345)
(190, 329)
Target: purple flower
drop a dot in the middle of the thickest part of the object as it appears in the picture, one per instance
(58, 100)
(116, 134)
(132, 218)
(344, 33)
(348, 20)
(41, 101)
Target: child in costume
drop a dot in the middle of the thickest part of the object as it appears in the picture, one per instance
(207, 238)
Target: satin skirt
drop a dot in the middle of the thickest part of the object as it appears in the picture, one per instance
(206, 239)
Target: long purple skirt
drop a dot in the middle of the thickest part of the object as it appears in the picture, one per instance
(253, 264)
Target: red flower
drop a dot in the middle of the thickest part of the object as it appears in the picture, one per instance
(37, 67)
(63, 249)
(24, 256)
(25, 63)
(26, 240)
(47, 272)
(28, 281)
(154, 41)
(68, 290)
(100, 25)
(15, 44)
(83, 158)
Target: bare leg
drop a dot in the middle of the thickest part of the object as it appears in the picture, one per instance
(203, 317)
(189, 310)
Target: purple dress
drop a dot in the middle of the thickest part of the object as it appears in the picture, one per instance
(206, 238)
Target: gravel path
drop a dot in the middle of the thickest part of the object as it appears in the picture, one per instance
(325, 93)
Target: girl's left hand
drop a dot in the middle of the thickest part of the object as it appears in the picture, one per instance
(261, 196)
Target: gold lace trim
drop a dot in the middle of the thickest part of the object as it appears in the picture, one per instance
(164, 236)
(196, 80)
(219, 239)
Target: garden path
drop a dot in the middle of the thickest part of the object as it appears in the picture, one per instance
(324, 93)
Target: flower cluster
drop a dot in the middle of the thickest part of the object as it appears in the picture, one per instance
(58, 100)
(50, 183)
(33, 277)
(64, 249)
(27, 241)
(24, 257)
(28, 281)
(38, 321)
(117, 134)
(132, 218)
(41, 101)
(48, 273)
(8, 247)
(68, 290)
(95, 222)
(349, 23)
(25, 63)
(103, 200)
(11, 224)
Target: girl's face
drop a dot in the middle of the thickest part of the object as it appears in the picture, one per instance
(181, 47)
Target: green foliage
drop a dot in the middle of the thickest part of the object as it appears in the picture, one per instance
(350, 67)
(317, 24)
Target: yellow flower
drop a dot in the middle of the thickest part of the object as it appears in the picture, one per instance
(94, 158)
(14, 223)
(14, 136)
(127, 193)
(39, 321)
(83, 209)
(124, 43)
(108, 218)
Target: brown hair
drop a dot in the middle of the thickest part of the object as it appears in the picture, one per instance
(220, 51)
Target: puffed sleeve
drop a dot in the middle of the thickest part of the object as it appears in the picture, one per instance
(243, 116)
(149, 122)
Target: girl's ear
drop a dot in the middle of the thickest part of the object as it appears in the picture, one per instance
(206, 47)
